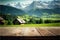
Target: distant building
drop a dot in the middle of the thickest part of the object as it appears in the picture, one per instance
(18, 21)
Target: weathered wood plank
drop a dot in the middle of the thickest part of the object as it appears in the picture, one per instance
(32, 31)
(18, 31)
(45, 32)
(56, 31)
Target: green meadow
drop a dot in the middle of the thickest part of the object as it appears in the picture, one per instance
(34, 25)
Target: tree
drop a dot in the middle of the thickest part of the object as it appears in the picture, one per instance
(32, 20)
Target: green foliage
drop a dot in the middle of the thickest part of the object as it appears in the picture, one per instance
(37, 20)
(32, 20)
(8, 19)
(46, 18)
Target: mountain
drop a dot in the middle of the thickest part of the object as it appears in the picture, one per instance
(43, 5)
(41, 12)
(10, 10)
(38, 4)
(16, 5)
(39, 8)
(31, 6)
(55, 4)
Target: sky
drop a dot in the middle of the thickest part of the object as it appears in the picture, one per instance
(4, 1)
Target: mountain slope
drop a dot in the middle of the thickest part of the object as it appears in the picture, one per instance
(39, 8)
(10, 10)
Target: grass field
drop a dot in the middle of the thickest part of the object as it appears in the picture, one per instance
(33, 25)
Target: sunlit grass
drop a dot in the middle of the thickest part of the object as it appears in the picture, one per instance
(33, 25)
